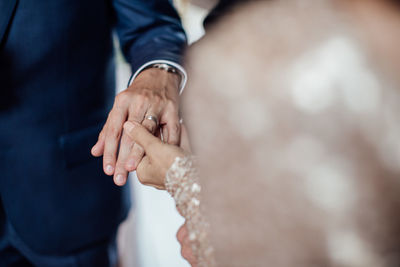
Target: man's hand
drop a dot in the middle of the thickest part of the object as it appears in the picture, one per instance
(153, 93)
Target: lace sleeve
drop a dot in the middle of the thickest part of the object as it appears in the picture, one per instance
(181, 182)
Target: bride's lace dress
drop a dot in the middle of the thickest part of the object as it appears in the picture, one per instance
(182, 183)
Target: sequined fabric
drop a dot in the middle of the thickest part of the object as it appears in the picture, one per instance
(181, 182)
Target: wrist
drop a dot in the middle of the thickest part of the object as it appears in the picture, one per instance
(179, 68)
(158, 78)
(176, 74)
(168, 68)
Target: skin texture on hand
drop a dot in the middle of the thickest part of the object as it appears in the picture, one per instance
(154, 92)
(158, 157)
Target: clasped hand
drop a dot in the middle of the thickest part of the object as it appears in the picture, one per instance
(153, 93)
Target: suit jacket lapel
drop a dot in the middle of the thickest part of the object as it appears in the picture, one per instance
(7, 8)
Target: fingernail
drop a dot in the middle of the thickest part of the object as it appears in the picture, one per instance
(119, 180)
(109, 169)
(129, 126)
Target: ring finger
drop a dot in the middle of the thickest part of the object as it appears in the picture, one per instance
(150, 122)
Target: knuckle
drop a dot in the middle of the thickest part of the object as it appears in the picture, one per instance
(109, 158)
(122, 99)
(145, 97)
(114, 133)
(138, 150)
(172, 106)
(119, 165)
(175, 127)
(157, 99)
(137, 156)
(134, 154)
(142, 97)
(138, 105)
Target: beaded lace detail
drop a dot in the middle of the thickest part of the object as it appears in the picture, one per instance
(181, 182)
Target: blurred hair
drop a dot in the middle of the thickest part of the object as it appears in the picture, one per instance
(294, 112)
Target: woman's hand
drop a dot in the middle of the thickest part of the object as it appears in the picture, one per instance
(186, 248)
(158, 157)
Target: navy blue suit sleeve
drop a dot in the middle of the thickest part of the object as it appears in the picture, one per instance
(149, 30)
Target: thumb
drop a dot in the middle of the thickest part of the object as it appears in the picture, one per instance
(141, 136)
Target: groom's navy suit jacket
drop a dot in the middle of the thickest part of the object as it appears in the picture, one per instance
(57, 86)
